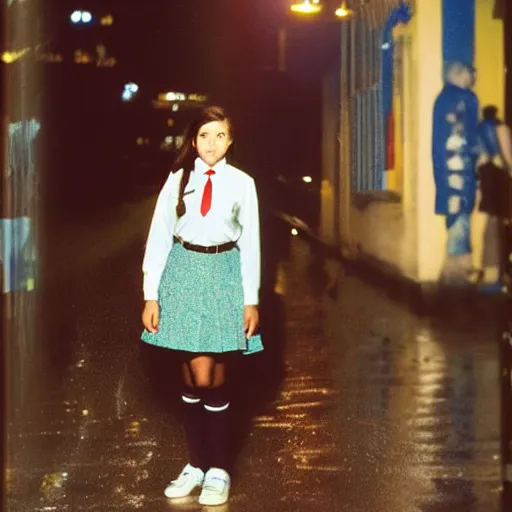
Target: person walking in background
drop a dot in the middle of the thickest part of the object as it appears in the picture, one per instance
(494, 170)
(201, 289)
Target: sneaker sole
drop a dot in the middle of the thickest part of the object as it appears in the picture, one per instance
(182, 495)
(212, 502)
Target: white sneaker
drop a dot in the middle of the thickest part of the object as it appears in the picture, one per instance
(215, 488)
(189, 478)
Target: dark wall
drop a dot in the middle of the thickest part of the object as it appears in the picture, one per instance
(88, 132)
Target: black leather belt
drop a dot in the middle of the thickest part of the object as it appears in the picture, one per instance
(211, 249)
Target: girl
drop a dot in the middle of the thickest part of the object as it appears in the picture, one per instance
(201, 285)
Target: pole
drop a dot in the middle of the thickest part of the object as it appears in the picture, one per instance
(20, 123)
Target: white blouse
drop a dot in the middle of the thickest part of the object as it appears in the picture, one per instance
(233, 217)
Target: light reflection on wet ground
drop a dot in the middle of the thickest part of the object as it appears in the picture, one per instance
(369, 407)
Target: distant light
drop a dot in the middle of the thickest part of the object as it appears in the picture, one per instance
(127, 95)
(175, 96)
(86, 17)
(132, 87)
(307, 179)
(175, 107)
(169, 139)
(76, 17)
(294, 232)
(130, 90)
(10, 57)
(107, 20)
(307, 7)
(197, 97)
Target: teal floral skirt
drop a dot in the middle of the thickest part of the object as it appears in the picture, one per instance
(202, 304)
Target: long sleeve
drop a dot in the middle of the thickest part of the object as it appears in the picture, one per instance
(249, 245)
(159, 242)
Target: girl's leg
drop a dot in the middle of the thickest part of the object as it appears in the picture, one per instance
(194, 415)
(193, 474)
(209, 374)
(216, 404)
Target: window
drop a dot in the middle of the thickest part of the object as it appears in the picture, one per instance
(365, 99)
(379, 69)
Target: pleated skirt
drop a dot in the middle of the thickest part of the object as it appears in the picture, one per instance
(201, 304)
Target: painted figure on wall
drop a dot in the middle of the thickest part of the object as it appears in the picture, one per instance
(454, 153)
(494, 170)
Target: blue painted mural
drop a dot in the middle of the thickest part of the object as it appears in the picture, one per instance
(17, 237)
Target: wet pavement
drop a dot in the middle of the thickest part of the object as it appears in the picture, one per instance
(358, 404)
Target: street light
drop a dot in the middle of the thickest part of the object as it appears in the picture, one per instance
(314, 7)
(343, 11)
(307, 7)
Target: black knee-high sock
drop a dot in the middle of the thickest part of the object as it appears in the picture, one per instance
(194, 414)
(218, 428)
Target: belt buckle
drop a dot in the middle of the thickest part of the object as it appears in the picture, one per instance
(217, 249)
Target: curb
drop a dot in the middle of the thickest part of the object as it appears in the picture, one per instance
(424, 299)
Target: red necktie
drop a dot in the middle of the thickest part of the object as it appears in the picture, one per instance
(206, 202)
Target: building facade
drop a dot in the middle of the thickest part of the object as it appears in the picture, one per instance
(387, 124)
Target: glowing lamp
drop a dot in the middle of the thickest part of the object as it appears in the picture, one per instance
(343, 11)
(307, 7)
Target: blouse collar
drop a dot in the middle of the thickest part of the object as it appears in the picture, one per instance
(201, 167)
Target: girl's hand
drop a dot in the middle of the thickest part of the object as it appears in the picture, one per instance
(151, 316)
(251, 320)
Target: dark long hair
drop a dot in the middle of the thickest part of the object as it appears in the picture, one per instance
(188, 152)
(490, 113)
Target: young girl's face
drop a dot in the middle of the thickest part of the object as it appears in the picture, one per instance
(213, 141)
